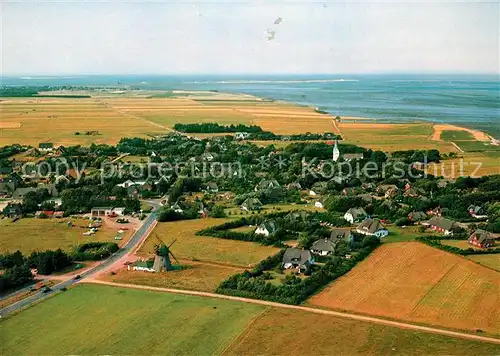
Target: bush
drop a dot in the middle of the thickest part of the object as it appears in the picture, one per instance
(47, 262)
(94, 251)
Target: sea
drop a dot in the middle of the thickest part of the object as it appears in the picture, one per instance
(468, 100)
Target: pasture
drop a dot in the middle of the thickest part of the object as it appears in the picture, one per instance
(30, 234)
(204, 248)
(415, 282)
(392, 137)
(469, 163)
(325, 335)
(454, 135)
(130, 322)
(56, 120)
(196, 276)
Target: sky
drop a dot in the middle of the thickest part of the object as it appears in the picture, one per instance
(217, 37)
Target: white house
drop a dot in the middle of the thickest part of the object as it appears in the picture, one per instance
(355, 214)
(107, 211)
(177, 208)
(266, 228)
(372, 227)
(319, 204)
(141, 266)
(241, 135)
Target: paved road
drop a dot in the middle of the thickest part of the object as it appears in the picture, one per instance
(369, 319)
(135, 240)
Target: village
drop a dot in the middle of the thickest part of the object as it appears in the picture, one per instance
(312, 219)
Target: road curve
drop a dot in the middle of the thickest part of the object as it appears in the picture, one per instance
(141, 234)
(369, 319)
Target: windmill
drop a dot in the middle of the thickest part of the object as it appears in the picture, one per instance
(162, 258)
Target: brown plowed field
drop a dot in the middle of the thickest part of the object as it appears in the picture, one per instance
(418, 283)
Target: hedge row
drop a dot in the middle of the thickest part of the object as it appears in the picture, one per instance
(252, 284)
(94, 251)
(435, 241)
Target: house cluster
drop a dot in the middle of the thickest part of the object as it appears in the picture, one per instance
(107, 212)
(49, 214)
(135, 189)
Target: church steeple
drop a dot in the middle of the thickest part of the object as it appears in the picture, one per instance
(336, 152)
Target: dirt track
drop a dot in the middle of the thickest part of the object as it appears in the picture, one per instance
(312, 310)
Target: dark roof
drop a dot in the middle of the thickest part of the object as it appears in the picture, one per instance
(267, 184)
(357, 212)
(417, 215)
(441, 222)
(371, 226)
(353, 156)
(13, 208)
(296, 256)
(269, 225)
(481, 235)
(324, 245)
(252, 203)
(45, 145)
(338, 234)
(297, 215)
(474, 209)
(21, 192)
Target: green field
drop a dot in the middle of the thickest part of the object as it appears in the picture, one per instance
(91, 319)
(190, 246)
(400, 234)
(30, 234)
(452, 135)
(476, 146)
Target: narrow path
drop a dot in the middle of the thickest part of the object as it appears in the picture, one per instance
(369, 319)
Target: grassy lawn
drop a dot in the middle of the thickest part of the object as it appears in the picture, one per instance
(205, 248)
(196, 276)
(491, 261)
(130, 322)
(30, 234)
(399, 234)
(451, 135)
(235, 211)
(270, 334)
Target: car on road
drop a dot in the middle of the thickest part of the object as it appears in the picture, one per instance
(46, 289)
(77, 277)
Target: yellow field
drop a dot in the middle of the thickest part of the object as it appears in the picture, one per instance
(415, 282)
(142, 114)
(57, 120)
(204, 248)
(468, 163)
(271, 334)
(197, 276)
(30, 234)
